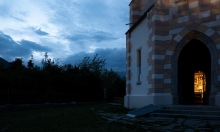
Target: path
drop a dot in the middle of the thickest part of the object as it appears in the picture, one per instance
(165, 124)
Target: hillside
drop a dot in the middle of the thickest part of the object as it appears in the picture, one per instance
(4, 63)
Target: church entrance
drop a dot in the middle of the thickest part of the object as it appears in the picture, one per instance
(194, 73)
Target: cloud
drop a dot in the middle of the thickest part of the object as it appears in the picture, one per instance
(95, 36)
(11, 49)
(34, 46)
(18, 19)
(65, 28)
(114, 58)
(40, 32)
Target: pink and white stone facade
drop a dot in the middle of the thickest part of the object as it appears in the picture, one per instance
(161, 28)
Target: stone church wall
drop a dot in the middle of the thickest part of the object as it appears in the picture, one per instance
(169, 22)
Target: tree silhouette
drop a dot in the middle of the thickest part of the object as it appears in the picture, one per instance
(16, 64)
(30, 63)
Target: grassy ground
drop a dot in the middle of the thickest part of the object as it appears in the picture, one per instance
(75, 118)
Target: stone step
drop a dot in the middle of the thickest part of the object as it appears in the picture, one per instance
(204, 117)
(144, 110)
(193, 107)
(190, 112)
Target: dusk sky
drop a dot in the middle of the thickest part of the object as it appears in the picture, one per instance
(66, 29)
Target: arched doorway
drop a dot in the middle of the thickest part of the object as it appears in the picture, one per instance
(194, 73)
(194, 41)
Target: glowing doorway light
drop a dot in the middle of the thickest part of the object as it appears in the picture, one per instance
(199, 84)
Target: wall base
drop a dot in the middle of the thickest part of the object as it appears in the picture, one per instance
(135, 101)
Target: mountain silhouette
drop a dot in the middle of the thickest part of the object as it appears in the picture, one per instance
(4, 63)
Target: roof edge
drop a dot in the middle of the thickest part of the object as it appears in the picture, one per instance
(141, 18)
(130, 2)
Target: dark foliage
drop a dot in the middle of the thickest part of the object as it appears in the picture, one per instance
(89, 77)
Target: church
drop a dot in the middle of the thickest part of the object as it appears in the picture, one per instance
(173, 53)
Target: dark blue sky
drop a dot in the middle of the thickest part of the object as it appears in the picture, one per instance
(67, 30)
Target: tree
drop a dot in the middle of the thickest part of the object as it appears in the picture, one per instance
(47, 62)
(30, 63)
(89, 76)
(16, 64)
(113, 84)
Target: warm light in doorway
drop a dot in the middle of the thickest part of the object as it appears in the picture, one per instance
(199, 84)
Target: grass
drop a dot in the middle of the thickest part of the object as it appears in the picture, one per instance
(77, 118)
(66, 118)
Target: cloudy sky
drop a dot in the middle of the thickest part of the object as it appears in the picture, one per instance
(66, 29)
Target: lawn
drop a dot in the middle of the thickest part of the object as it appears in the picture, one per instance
(75, 118)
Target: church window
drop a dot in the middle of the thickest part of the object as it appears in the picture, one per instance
(139, 65)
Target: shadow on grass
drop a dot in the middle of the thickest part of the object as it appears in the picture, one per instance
(63, 118)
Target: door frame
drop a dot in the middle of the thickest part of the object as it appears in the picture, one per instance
(214, 64)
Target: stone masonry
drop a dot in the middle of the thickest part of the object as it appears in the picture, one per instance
(172, 23)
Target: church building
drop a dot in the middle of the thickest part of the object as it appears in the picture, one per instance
(173, 53)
